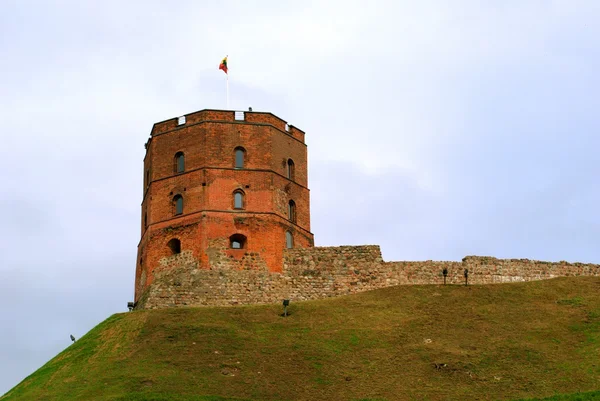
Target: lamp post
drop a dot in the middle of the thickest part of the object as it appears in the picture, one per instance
(286, 302)
(445, 273)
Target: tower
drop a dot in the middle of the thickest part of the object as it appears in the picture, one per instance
(222, 190)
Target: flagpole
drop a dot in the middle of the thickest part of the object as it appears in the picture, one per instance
(223, 66)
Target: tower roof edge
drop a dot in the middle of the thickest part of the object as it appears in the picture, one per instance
(264, 117)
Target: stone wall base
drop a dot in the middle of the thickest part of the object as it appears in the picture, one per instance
(322, 272)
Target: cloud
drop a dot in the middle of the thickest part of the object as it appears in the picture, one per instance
(433, 130)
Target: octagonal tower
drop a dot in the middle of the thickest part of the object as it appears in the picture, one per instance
(222, 190)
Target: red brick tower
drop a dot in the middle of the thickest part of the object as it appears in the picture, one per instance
(222, 190)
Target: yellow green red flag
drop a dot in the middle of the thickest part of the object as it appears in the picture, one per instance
(223, 65)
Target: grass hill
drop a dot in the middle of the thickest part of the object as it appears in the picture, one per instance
(495, 342)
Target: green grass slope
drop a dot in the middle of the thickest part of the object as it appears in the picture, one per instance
(496, 342)
(586, 396)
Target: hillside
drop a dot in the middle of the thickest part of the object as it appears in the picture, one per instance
(495, 342)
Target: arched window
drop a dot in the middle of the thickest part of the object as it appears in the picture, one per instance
(237, 241)
(240, 157)
(238, 200)
(289, 240)
(146, 220)
(179, 162)
(175, 246)
(290, 169)
(178, 203)
(292, 211)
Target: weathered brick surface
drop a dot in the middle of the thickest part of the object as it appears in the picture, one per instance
(208, 272)
(321, 272)
(208, 140)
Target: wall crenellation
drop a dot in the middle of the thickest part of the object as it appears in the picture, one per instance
(322, 272)
(228, 187)
(225, 220)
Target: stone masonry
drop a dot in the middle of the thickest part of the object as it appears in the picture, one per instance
(226, 220)
(322, 272)
(194, 168)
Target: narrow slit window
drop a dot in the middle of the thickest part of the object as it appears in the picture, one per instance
(291, 173)
(240, 155)
(178, 201)
(292, 211)
(179, 162)
(238, 200)
(289, 240)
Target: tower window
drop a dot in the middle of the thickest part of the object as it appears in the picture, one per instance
(290, 169)
(147, 177)
(238, 200)
(145, 220)
(289, 240)
(175, 246)
(292, 211)
(178, 202)
(179, 162)
(237, 241)
(240, 156)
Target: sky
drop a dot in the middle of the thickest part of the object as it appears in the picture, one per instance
(435, 129)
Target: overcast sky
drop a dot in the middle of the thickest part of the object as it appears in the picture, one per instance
(437, 129)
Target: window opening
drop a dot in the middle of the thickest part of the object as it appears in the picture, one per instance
(292, 211)
(237, 241)
(178, 200)
(289, 240)
(238, 200)
(175, 246)
(179, 162)
(240, 155)
(291, 169)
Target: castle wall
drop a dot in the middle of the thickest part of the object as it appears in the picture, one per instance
(322, 272)
(187, 258)
(208, 140)
(228, 116)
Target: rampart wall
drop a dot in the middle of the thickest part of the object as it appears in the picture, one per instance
(321, 272)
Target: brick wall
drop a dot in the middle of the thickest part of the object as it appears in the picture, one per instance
(228, 116)
(208, 140)
(321, 272)
(207, 271)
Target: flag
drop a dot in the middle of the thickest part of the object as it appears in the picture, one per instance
(223, 65)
